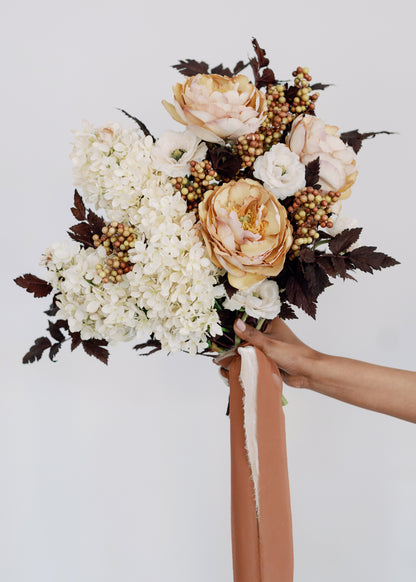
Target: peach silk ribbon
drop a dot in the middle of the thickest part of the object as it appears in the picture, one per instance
(262, 542)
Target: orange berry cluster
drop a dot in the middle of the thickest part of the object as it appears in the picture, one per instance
(249, 147)
(310, 209)
(304, 101)
(117, 239)
(278, 117)
(202, 178)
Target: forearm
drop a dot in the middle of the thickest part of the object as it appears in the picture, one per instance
(377, 388)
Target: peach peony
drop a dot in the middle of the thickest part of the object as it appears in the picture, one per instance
(246, 231)
(310, 137)
(216, 108)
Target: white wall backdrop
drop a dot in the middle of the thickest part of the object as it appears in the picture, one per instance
(121, 473)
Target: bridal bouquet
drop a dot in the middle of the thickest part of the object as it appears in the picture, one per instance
(239, 214)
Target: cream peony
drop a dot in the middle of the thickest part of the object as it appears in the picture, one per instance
(280, 171)
(310, 138)
(262, 300)
(246, 231)
(216, 108)
(174, 150)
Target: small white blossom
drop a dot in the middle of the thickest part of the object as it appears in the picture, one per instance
(280, 171)
(174, 150)
(262, 300)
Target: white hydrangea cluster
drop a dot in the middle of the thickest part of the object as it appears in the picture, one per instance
(172, 288)
(173, 279)
(111, 166)
(90, 307)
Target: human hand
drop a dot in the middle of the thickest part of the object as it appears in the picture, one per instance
(294, 358)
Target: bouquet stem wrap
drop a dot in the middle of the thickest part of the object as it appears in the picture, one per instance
(260, 502)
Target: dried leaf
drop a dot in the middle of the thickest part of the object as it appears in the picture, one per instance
(342, 241)
(224, 161)
(286, 312)
(221, 70)
(239, 67)
(35, 353)
(262, 60)
(152, 343)
(95, 347)
(312, 173)
(96, 222)
(355, 139)
(33, 284)
(139, 123)
(320, 86)
(190, 67)
(75, 339)
(82, 234)
(78, 210)
(307, 255)
(367, 259)
(53, 308)
(55, 331)
(54, 350)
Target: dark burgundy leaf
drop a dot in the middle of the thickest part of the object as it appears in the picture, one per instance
(334, 266)
(33, 284)
(82, 234)
(297, 294)
(224, 161)
(316, 279)
(139, 123)
(55, 331)
(320, 86)
(342, 241)
(53, 309)
(221, 70)
(95, 347)
(286, 312)
(75, 339)
(35, 353)
(355, 139)
(239, 67)
(152, 343)
(229, 289)
(367, 259)
(78, 210)
(96, 222)
(54, 350)
(307, 256)
(312, 173)
(262, 60)
(190, 67)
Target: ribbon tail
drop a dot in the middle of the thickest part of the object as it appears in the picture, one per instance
(260, 501)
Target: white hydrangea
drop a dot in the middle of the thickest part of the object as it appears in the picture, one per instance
(111, 166)
(173, 279)
(96, 310)
(172, 288)
(262, 300)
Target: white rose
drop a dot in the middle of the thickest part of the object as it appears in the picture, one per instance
(174, 150)
(281, 171)
(262, 300)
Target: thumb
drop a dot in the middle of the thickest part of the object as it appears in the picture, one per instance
(251, 335)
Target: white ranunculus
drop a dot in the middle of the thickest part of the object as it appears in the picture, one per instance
(262, 300)
(174, 150)
(281, 171)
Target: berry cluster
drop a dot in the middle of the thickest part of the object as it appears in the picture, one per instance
(310, 209)
(118, 239)
(303, 102)
(284, 104)
(192, 188)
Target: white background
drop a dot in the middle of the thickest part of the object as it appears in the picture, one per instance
(121, 473)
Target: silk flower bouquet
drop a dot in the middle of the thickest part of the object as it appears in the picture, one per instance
(239, 215)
